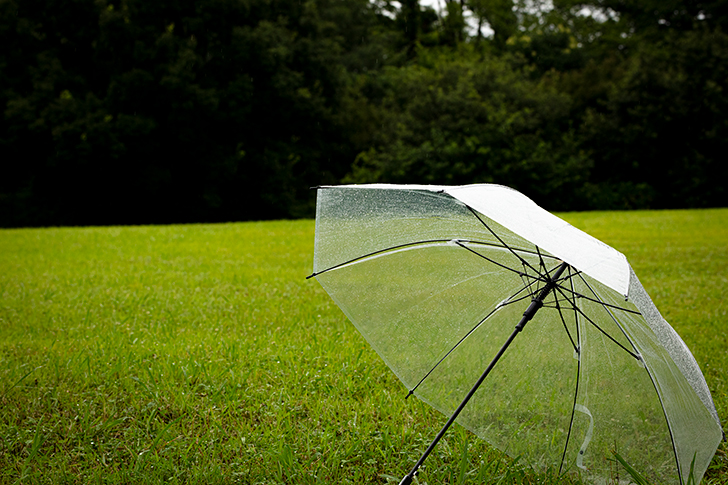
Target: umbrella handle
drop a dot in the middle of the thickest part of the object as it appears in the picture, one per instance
(535, 305)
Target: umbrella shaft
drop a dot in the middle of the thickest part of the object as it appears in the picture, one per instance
(527, 315)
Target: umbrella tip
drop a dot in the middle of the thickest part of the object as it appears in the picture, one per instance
(406, 480)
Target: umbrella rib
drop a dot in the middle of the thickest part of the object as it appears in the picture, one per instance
(530, 295)
(523, 261)
(606, 305)
(580, 295)
(573, 411)
(540, 259)
(578, 374)
(416, 243)
(520, 273)
(576, 315)
(508, 301)
(573, 303)
(520, 250)
(568, 278)
(667, 422)
(556, 299)
(561, 315)
(558, 288)
(374, 253)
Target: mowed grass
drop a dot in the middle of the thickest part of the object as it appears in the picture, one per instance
(200, 354)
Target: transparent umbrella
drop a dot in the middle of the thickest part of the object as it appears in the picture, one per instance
(527, 331)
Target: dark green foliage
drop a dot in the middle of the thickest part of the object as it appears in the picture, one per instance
(662, 132)
(128, 111)
(455, 121)
(172, 111)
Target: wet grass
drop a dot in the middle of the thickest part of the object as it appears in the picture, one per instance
(200, 354)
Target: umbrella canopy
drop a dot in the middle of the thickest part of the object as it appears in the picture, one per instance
(435, 278)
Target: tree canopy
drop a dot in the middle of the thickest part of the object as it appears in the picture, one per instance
(127, 112)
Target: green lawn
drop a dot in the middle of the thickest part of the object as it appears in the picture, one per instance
(200, 354)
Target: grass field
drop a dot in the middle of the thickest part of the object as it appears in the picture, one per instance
(200, 354)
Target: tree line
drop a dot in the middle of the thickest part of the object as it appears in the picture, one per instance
(130, 112)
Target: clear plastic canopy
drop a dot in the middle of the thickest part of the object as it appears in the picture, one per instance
(435, 278)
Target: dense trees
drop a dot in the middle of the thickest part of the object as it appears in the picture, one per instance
(128, 111)
(158, 111)
(456, 119)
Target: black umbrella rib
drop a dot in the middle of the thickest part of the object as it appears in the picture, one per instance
(578, 374)
(569, 278)
(540, 259)
(507, 301)
(530, 295)
(573, 411)
(379, 251)
(520, 273)
(563, 321)
(523, 261)
(580, 295)
(520, 250)
(416, 243)
(559, 289)
(607, 306)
